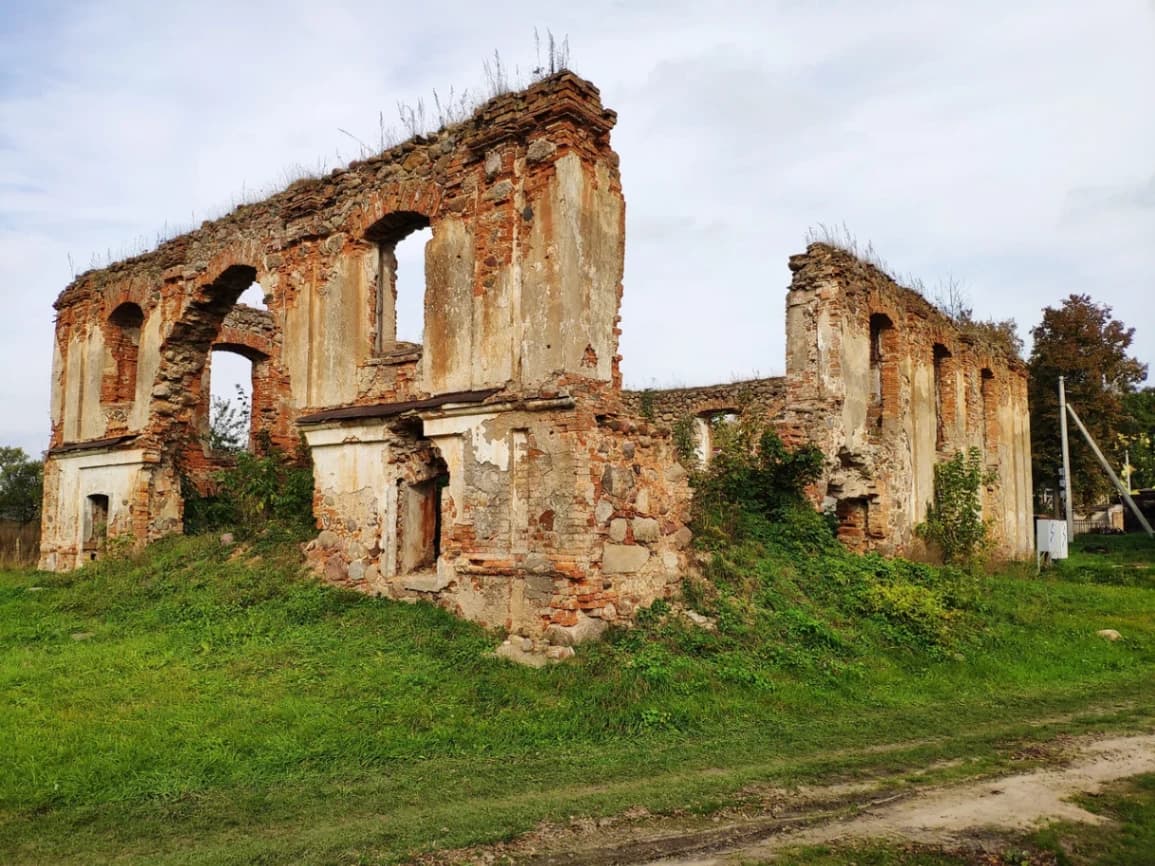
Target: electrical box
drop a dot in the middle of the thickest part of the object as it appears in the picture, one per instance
(1050, 540)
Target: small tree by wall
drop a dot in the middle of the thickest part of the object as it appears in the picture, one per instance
(954, 518)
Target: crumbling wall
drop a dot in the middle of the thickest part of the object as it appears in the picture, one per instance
(887, 386)
(495, 468)
(668, 406)
(555, 521)
(471, 468)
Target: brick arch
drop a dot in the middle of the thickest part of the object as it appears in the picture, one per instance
(395, 204)
(177, 391)
(122, 330)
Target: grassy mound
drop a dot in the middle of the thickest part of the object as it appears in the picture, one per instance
(199, 705)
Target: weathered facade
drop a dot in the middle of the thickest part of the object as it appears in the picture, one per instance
(887, 386)
(497, 467)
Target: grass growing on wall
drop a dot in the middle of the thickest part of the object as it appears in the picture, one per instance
(194, 705)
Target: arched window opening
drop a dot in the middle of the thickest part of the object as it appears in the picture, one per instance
(95, 524)
(253, 296)
(943, 396)
(989, 408)
(399, 298)
(122, 342)
(230, 401)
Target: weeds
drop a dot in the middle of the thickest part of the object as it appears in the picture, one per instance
(260, 494)
(954, 520)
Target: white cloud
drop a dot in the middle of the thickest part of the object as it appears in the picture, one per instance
(1009, 146)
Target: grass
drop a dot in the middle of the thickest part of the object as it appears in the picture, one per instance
(195, 706)
(1127, 840)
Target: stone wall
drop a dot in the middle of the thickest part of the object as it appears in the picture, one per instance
(887, 386)
(667, 406)
(495, 468)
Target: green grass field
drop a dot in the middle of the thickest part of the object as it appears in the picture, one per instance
(196, 707)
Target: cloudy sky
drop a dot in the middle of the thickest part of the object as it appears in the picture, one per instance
(1009, 147)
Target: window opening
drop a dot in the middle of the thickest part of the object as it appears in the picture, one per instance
(230, 401)
(419, 538)
(253, 296)
(398, 304)
(96, 531)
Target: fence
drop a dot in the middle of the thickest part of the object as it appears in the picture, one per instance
(19, 544)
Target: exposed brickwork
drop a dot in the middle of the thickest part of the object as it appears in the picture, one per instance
(496, 468)
(667, 406)
(887, 386)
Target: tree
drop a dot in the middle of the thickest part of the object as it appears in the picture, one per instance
(954, 518)
(21, 485)
(1139, 435)
(229, 424)
(1080, 341)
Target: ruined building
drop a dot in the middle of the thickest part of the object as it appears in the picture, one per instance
(496, 468)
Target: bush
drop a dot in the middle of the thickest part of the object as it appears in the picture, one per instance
(751, 473)
(257, 495)
(954, 519)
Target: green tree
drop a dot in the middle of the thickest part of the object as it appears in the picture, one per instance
(1139, 435)
(954, 519)
(1080, 341)
(229, 424)
(21, 485)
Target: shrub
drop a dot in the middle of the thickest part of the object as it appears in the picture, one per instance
(751, 473)
(954, 518)
(258, 494)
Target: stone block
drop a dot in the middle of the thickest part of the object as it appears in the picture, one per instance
(425, 582)
(645, 529)
(624, 558)
(603, 511)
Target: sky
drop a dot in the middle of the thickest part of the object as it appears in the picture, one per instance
(1007, 148)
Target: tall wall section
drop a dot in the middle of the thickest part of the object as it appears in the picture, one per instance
(887, 386)
(485, 468)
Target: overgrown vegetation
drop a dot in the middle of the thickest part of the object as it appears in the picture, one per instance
(948, 296)
(229, 421)
(265, 493)
(779, 584)
(751, 474)
(646, 404)
(187, 705)
(190, 703)
(682, 437)
(954, 518)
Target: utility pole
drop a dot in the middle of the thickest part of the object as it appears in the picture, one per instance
(1066, 460)
(1123, 491)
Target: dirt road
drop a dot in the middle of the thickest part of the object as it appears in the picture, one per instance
(952, 815)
